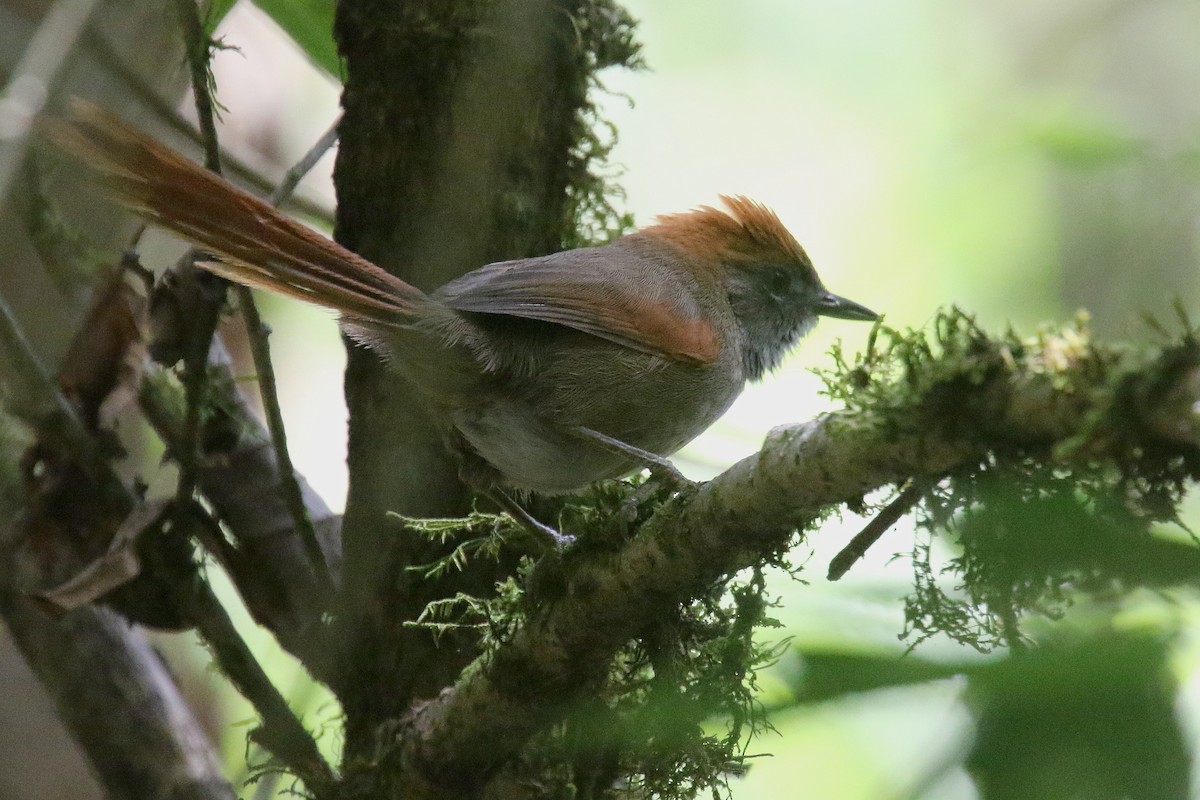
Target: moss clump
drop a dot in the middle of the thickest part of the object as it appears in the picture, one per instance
(605, 39)
(1073, 474)
(678, 705)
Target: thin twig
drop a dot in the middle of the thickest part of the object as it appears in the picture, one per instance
(234, 164)
(35, 378)
(281, 731)
(195, 377)
(270, 565)
(198, 45)
(257, 334)
(198, 57)
(871, 532)
(195, 384)
(291, 179)
(38, 385)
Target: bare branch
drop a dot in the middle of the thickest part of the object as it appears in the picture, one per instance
(291, 179)
(117, 699)
(198, 49)
(111, 689)
(240, 475)
(281, 732)
(862, 541)
(37, 386)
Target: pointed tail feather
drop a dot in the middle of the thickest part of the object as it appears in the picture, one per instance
(254, 244)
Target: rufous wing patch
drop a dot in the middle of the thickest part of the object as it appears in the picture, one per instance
(664, 330)
(555, 289)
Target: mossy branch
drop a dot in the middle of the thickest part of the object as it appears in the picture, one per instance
(957, 401)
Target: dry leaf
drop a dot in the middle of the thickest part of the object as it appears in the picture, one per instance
(103, 367)
(119, 565)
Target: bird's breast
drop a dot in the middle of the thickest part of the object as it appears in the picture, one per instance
(527, 428)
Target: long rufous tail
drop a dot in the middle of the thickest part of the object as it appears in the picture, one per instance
(253, 243)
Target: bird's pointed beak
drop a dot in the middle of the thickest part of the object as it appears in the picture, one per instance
(832, 305)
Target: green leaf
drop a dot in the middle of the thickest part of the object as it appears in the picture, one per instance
(1076, 717)
(310, 24)
(829, 674)
(1091, 719)
(1082, 145)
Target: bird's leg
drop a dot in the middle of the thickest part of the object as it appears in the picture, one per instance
(663, 474)
(661, 469)
(550, 539)
(477, 473)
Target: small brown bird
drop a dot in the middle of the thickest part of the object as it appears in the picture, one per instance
(543, 369)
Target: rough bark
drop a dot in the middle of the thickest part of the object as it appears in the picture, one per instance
(454, 146)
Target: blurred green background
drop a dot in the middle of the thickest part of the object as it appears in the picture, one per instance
(1022, 160)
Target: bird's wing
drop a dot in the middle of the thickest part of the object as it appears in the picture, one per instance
(620, 296)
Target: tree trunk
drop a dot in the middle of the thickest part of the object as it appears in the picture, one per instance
(460, 120)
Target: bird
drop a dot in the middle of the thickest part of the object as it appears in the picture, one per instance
(547, 374)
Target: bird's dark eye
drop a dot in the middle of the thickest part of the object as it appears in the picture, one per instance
(779, 282)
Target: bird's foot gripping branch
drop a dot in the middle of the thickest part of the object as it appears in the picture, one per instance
(1051, 458)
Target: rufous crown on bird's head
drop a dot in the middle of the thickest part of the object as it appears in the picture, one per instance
(745, 232)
